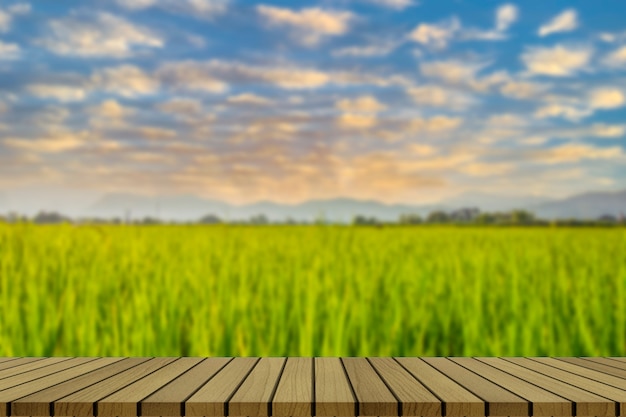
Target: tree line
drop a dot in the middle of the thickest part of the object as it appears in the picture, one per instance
(463, 216)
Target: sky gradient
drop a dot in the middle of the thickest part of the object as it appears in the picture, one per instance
(394, 100)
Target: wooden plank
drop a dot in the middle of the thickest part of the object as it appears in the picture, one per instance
(8, 358)
(333, 394)
(169, 400)
(585, 372)
(598, 366)
(458, 401)
(620, 358)
(17, 362)
(373, 396)
(608, 362)
(38, 404)
(125, 402)
(211, 399)
(80, 366)
(544, 403)
(500, 402)
(294, 394)
(21, 378)
(586, 403)
(414, 398)
(603, 390)
(27, 367)
(254, 395)
(81, 403)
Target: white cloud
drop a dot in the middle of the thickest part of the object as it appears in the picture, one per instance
(602, 130)
(616, 58)
(506, 15)
(394, 4)
(564, 22)
(436, 35)
(63, 93)
(572, 152)
(364, 104)
(435, 96)
(9, 50)
(606, 98)
(506, 120)
(248, 98)
(378, 49)
(136, 4)
(480, 169)
(609, 37)
(434, 124)
(569, 112)
(522, 89)
(182, 108)
(20, 8)
(109, 113)
(212, 75)
(357, 121)
(53, 143)
(558, 61)
(192, 76)
(310, 25)
(5, 21)
(125, 80)
(576, 109)
(463, 73)
(451, 71)
(359, 113)
(98, 35)
(111, 109)
(195, 8)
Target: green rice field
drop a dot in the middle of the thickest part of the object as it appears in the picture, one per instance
(311, 291)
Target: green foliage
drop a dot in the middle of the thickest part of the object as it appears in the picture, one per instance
(228, 290)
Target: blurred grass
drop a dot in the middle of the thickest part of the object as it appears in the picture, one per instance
(311, 291)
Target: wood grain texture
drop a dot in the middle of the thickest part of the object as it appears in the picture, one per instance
(593, 364)
(169, 400)
(544, 403)
(458, 401)
(282, 387)
(587, 404)
(15, 362)
(211, 399)
(294, 394)
(584, 372)
(500, 402)
(599, 388)
(254, 395)
(125, 401)
(333, 394)
(38, 404)
(373, 396)
(81, 403)
(65, 372)
(414, 398)
(26, 368)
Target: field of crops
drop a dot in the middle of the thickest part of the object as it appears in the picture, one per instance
(311, 291)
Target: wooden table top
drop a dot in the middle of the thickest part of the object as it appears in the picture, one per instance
(428, 386)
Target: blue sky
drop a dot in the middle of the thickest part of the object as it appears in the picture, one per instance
(395, 100)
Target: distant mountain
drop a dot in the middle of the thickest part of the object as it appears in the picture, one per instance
(182, 207)
(187, 207)
(584, 206)
(493, 202)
